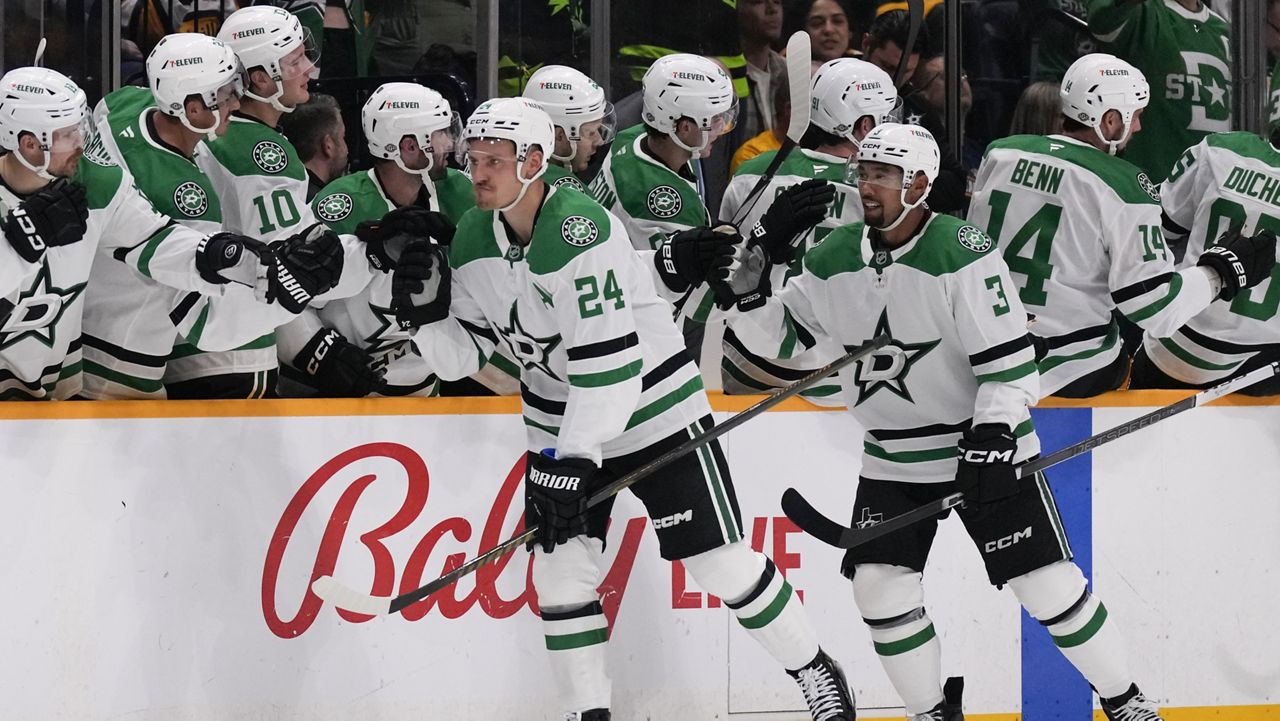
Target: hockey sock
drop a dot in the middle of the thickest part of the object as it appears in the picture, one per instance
(573, 621)
(891, 601)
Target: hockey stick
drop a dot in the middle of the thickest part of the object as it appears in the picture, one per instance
(799, 62)
(915, 16)
(329, 589)
(828, 531)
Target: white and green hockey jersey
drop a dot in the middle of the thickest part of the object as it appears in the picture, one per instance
(1228, 180)
(603, 367)
(562, 178)
(958, 355)
(366, 318)
(741, 370)
(146, 295)
(1081, 232)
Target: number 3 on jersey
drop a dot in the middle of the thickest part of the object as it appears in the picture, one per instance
(588, 288)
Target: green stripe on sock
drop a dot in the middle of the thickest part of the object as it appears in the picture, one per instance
(1090, 629)
(910, 643)
(577, 640)
(765, 617)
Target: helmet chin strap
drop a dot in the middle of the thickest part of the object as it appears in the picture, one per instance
(906, 209)
(210, 132)
(43, 169)
(697, 151)
(273, 100)
(1113, 146)
(573, 153)
(524, 188)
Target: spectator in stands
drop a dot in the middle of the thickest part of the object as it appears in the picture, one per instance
(1039, 110)
(929, 94)
(760, 27)
(828, 25)
(768, 139)
(1181, 48)
(316, 129)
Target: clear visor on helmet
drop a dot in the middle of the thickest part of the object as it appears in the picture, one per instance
(894, 114)
(445, 142)
(723, 122)
(602, 129)
(302, 60)
(489, 153)
(873, 173)
(72, 137)
(233, 89)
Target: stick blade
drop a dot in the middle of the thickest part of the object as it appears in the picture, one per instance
(810, 520)
(799, 63)
(331, 590)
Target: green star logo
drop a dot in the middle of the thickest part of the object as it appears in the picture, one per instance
(38, 310)
(579, 230)
(334, 208)
(889, 366)
(270, 156)
(190, 199)
(532, 351)
(664, 202)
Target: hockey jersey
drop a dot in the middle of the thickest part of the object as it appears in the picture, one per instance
(1080, 231)
(367, 318)
(741, 370)
(958, 355)
(562, 177)
(1228, 180)
(603, 367)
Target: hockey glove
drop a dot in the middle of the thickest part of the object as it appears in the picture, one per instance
(685, 259)
(794, 211)
(1241, 261)
(386, 239)
(556, 498)
(986, 472)
(742, 278)
(296, 270)
(337, 367)
(57, 214)
(219, 253)
(420, 285)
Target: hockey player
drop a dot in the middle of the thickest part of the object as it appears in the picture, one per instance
(607, 388)
(195, 84)
(945, 409)
(1080, 230)
(411, 130)
(584, 120)
(850, 97)
(1228, 185)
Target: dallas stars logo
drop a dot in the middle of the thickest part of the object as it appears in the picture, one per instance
(889, 366)
(579, 231)
(190, 199)
(270, 156)
(532, 351)
(388, 332)
(664, 202)
(334, 207)
(38, 310)
(570, 181)
(869, 519)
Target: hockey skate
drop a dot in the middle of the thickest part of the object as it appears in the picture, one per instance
(949, 708)
(1131, 706)
(825, 689)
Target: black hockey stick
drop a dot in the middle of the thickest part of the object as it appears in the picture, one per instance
(329, 589)
(799, 61)
(828, 531)
(915, 18)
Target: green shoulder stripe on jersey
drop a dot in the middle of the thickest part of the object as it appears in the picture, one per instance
(839, 252)
(348, 201)
(947, 245)
(473, 239)
(1123, 177)
(569, 224)
(250, 147)
(101, 182)
(124, 105)
(1247, 145)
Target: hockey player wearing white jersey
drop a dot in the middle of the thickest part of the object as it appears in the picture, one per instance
(1227, 186)
(945, 409)
(850, 97)
(131, 311)
(608, 387)
(583, 118)
(1080, 229)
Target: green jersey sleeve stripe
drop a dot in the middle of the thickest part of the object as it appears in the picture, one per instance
(1175, 287)
(197, 328)
(1191, 359)
(607, 378)
(1011, 374)
(149, 250)
(140, 384)
(690, 387)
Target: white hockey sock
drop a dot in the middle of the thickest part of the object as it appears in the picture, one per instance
(773, 615)
(1092, 644)
(577, 640)
(909, 650)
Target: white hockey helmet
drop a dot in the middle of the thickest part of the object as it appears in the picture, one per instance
(395, 110)
(519, 120)
(909, 147)
(261, 36)
(46, 104)
(845, 90)
(572, 100)
(689, 86)
(186, 64)
(1097, 83)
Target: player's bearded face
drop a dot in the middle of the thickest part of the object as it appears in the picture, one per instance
(493, 172)
(880, 189)
(65, 149)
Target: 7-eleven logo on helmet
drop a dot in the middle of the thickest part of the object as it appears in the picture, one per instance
(399, 105)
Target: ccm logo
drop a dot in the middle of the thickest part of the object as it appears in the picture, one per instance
(674, 519)
(1007, 541)
(987, 457)
(542, 478)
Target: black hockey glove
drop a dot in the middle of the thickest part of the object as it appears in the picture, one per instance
(556, 493)
(742, 278)
(986, 472)
(421, 285)
(337, 367)
(299, 268)
(386, 239)
(794, 211)
(685, 259)
(57, 214)
(221, 252)
(1241, 261)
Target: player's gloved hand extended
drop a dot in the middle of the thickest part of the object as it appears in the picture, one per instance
(337, 367)
(1241, 261)
(685, 259)
(421, 285)
(986, 472)
(296, 270)
(742, 278)
(556, 493)
(57, 214)
(795, 210)
(386, 239)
